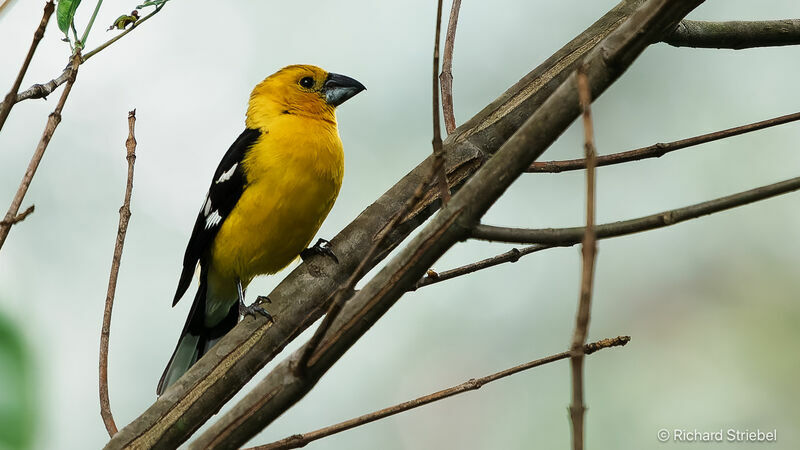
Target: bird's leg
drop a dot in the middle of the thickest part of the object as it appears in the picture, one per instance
(252, 309)
(322, 247)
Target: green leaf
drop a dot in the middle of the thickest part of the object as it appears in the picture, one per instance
(155, 3)
(66, 13)
(16, 389)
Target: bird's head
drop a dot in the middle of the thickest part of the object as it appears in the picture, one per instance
(300, 89)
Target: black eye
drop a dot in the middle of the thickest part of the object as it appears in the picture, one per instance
(307, 82)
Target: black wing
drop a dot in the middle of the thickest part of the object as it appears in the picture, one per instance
(226, 188)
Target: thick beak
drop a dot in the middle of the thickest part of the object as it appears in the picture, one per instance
(339, 88)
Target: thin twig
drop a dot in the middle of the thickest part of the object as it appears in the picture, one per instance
(124, 217)
(735, 35)
(570, 236)
(437, 172)
(511, 256)
(82, 42)
(300, 440)
(346, 291)
(8, 103)
(136, 24)
(660, 149)
(446, 77)
(438, 150)
(52, 122)
(45, 89)
(589, 250)
(19, 217)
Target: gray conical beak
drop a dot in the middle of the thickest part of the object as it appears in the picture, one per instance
(339, 88)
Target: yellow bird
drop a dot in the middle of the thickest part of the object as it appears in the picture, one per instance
(269, 196)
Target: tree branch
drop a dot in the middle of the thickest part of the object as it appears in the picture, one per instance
(45, 89)
(122, 229)
(571, 236)
(660, 149)
(301, 440)
(511, 256)
(438, 151)
(347, 290)
(735, 35)
(107, 43)
(19, 217)
(589, 250)
(446, 77)
(52, 122)
(8, 103)
(281, 389)
(303, 295)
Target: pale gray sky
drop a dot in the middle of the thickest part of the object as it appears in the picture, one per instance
(711, 304)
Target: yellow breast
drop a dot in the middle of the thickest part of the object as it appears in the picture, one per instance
(294, 172)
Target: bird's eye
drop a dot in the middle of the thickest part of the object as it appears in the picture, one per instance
(307, 82)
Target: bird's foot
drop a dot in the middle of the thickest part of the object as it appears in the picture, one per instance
(256, 308)
(322, 247)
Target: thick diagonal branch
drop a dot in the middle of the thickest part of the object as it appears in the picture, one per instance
(302, 296)
(281, 388)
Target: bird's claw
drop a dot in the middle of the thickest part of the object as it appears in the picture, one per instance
(254, 309)
(322, 247)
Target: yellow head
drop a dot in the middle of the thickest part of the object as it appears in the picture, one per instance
(301, 90)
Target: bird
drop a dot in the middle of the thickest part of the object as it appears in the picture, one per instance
(268, 198)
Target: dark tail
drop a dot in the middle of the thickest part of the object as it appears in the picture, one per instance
(196, 338)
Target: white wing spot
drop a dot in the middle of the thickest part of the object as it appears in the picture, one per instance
(207, 207)
(213, 219)
(227, 174)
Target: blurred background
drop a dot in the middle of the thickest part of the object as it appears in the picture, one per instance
(711, 305)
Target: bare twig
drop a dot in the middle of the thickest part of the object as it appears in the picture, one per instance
(300, 440)
(136, 24)
(735, 35)
(438, 173)
(82, 42)
(589, 249)
(571, 236)
(660, 149)
(8, 103)
(511, 256)
(124, 217)
(45, 89)
(446, 77)
(438, 150)
(19, 217)
(345, 291)
(52, 122)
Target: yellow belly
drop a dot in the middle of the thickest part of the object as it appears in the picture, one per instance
(268, 230)
(293, 183)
